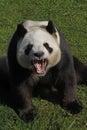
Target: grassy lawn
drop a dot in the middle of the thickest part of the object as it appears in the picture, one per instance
(71, 18)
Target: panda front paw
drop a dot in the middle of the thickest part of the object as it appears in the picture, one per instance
(74, 107)
(27, 114)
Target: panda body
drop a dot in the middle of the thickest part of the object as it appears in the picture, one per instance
(40, 63)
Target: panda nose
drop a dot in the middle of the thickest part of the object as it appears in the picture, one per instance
(39, 54)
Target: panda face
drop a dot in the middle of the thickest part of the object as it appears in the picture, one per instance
(38, 51)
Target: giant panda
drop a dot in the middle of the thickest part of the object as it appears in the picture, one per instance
(39, 63)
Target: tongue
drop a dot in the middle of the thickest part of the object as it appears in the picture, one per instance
(40, 68)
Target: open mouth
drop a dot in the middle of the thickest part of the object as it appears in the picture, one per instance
(40, 65)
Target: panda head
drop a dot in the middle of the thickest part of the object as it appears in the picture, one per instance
(39, 49)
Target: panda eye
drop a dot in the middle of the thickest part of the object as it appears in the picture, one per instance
(28, 48)
(48, 47)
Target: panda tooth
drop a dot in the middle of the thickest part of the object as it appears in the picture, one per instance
(45, 63)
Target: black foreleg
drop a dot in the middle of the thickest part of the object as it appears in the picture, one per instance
(22, 102)
(69, 98)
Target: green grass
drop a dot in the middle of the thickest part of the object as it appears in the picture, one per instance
(71, 18)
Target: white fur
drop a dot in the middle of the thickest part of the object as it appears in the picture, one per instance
(29, 24)
(37, 36)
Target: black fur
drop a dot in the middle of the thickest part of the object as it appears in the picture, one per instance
(51, 28)
(81, 71)
(48, 47)
(28, 49)
(18, 85)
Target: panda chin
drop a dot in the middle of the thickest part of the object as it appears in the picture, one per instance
(40, 66)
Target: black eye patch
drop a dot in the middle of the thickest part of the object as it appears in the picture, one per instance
(48, 47)
(28, 48)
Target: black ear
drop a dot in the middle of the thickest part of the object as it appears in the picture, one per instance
(21, 30)
(50, 27)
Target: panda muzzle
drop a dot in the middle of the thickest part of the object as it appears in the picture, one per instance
(40, 65)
